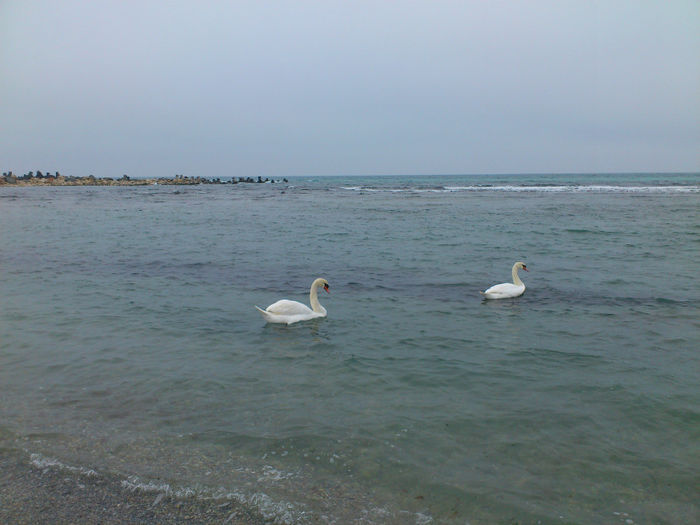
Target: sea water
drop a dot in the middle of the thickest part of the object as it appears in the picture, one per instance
(129, 344)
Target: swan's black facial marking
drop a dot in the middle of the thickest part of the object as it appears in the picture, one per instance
(525, 268)
(326, 288)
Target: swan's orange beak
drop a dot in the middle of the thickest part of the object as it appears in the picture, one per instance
(525, 268)
(325, 287)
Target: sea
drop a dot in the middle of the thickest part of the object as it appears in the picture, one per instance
(130, 345)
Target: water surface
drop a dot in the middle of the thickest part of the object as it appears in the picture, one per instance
(129, 344)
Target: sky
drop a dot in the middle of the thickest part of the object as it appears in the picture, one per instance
(284, 88)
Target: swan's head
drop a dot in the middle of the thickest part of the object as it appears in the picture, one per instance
(322, 283)
(521, 265)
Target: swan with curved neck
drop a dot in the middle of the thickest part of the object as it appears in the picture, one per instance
(507, 290)
(285, 311)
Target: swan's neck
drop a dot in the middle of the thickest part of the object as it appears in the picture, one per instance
(313, 299)
(516, 277)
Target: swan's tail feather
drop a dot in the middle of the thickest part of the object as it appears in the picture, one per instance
(266, 315)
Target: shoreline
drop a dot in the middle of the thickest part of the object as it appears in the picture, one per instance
(44, 491)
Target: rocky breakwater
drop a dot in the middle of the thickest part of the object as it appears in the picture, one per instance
(48, 179)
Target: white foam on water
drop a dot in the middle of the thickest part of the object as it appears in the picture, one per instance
(282, 512)
(274, 510)
(133, 483)
(43, 463)
(534, 189)
(272, 474)
(277, 511)
(423, 519)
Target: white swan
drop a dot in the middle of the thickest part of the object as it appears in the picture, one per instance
(507, 290)
(285, 311)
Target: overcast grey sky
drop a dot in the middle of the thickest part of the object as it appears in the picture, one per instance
(247, 88)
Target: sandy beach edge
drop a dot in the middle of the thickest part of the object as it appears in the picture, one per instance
(37, 492)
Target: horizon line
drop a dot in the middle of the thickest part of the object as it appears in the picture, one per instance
(476, 174)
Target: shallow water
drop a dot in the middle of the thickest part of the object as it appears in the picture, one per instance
(129, 344)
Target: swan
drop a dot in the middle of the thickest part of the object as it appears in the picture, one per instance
(507, 290)
(285, 311)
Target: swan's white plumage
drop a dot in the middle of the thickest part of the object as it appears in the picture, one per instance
(286, 311)
(508, 290)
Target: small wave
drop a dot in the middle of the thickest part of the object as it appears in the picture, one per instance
(534, 188)
(42, 462)
(271, 509)
(133, 484)
(275, 511)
